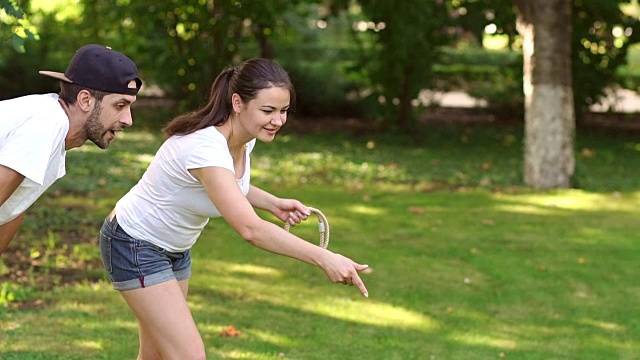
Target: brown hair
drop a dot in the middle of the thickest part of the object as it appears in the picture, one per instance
(69, 92)
(245, 80)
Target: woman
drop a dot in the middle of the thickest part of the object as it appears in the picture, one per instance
(202, 171)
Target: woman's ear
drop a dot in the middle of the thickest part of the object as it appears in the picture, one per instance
(236, 102)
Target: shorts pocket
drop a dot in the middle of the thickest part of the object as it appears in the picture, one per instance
(151, 258)
(105, 252)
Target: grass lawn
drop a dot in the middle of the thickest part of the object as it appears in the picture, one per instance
(466, 263)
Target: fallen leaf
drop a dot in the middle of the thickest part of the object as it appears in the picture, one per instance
(229, 331)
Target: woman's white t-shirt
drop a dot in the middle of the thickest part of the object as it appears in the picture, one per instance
(169, 207)
(32, 133)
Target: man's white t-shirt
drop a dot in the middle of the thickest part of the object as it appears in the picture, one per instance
(169, 207)
(32, 133)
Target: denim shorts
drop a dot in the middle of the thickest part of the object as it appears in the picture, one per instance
(134, 264)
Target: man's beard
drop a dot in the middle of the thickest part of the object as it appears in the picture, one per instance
(93, 128)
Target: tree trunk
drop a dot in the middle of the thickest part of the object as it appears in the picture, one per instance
(404, 113)
(545, 26)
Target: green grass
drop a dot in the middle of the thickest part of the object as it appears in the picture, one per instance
(467, 263)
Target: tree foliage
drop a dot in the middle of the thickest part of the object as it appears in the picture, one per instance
(14, 26)
(597, 51)
(407, 38)
(473, 16)
(602, 34)
(384, 52)
(183, 45)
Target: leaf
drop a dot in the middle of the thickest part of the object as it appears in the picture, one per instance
(11, 8)
(18, 44)
(229, 331)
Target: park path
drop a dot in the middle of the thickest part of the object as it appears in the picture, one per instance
(618, 101)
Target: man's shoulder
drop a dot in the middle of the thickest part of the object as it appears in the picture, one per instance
(49, 98)
(29, 105)
(41, 111)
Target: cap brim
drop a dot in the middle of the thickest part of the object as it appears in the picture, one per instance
(56, 75)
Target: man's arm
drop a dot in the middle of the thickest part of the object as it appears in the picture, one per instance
(8, 230)
(9, 182)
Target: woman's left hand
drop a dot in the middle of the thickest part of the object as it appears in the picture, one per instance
(291, 211)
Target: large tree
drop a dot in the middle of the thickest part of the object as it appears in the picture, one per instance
(545, 26)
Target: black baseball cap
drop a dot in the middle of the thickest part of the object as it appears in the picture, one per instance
(100, 68)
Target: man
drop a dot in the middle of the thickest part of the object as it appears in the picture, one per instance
(96, 93)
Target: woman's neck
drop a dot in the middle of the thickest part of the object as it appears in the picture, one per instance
(235, 140)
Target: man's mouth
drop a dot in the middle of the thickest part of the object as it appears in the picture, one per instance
(112, 132)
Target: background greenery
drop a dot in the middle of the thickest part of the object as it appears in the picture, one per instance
(366, 59)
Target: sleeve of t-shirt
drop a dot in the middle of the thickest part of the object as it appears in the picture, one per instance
(210, 152)
(27, 149)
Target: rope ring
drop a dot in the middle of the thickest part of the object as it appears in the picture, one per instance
(323, 227)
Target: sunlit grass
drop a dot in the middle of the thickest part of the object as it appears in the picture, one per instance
(484, 340)
(371, 313)
(365, 210)
(580, 200)
(551, 203)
